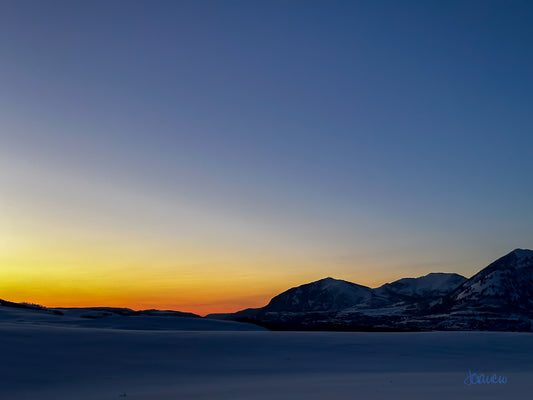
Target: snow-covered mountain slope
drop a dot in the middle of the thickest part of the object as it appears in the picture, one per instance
(431, 285)
(505, 285)
(332, 295)
(324, 295)
(500, 297)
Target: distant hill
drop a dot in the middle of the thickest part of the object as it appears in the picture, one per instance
(113, 318)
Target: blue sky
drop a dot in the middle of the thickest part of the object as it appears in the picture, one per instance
(365, 140)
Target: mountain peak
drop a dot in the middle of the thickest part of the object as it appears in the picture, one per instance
(505, 285)
(516, 259)
(321, 295)
(432, 284)
(522, 253)
(331, 281)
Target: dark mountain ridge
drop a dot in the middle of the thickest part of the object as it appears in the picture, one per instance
(499, 297)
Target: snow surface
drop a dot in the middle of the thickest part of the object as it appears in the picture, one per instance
(89, 318)
(51, 362)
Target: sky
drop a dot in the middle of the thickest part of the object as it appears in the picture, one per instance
(205, 156)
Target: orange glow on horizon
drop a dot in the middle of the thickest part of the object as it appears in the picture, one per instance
(207, 297)
(51, 265)
(224, 306)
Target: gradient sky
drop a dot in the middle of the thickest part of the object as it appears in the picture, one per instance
(205, 156)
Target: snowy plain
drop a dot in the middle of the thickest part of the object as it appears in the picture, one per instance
(46, 360)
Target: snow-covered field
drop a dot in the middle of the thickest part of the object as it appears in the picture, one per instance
(79, 318)
(58, 362)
